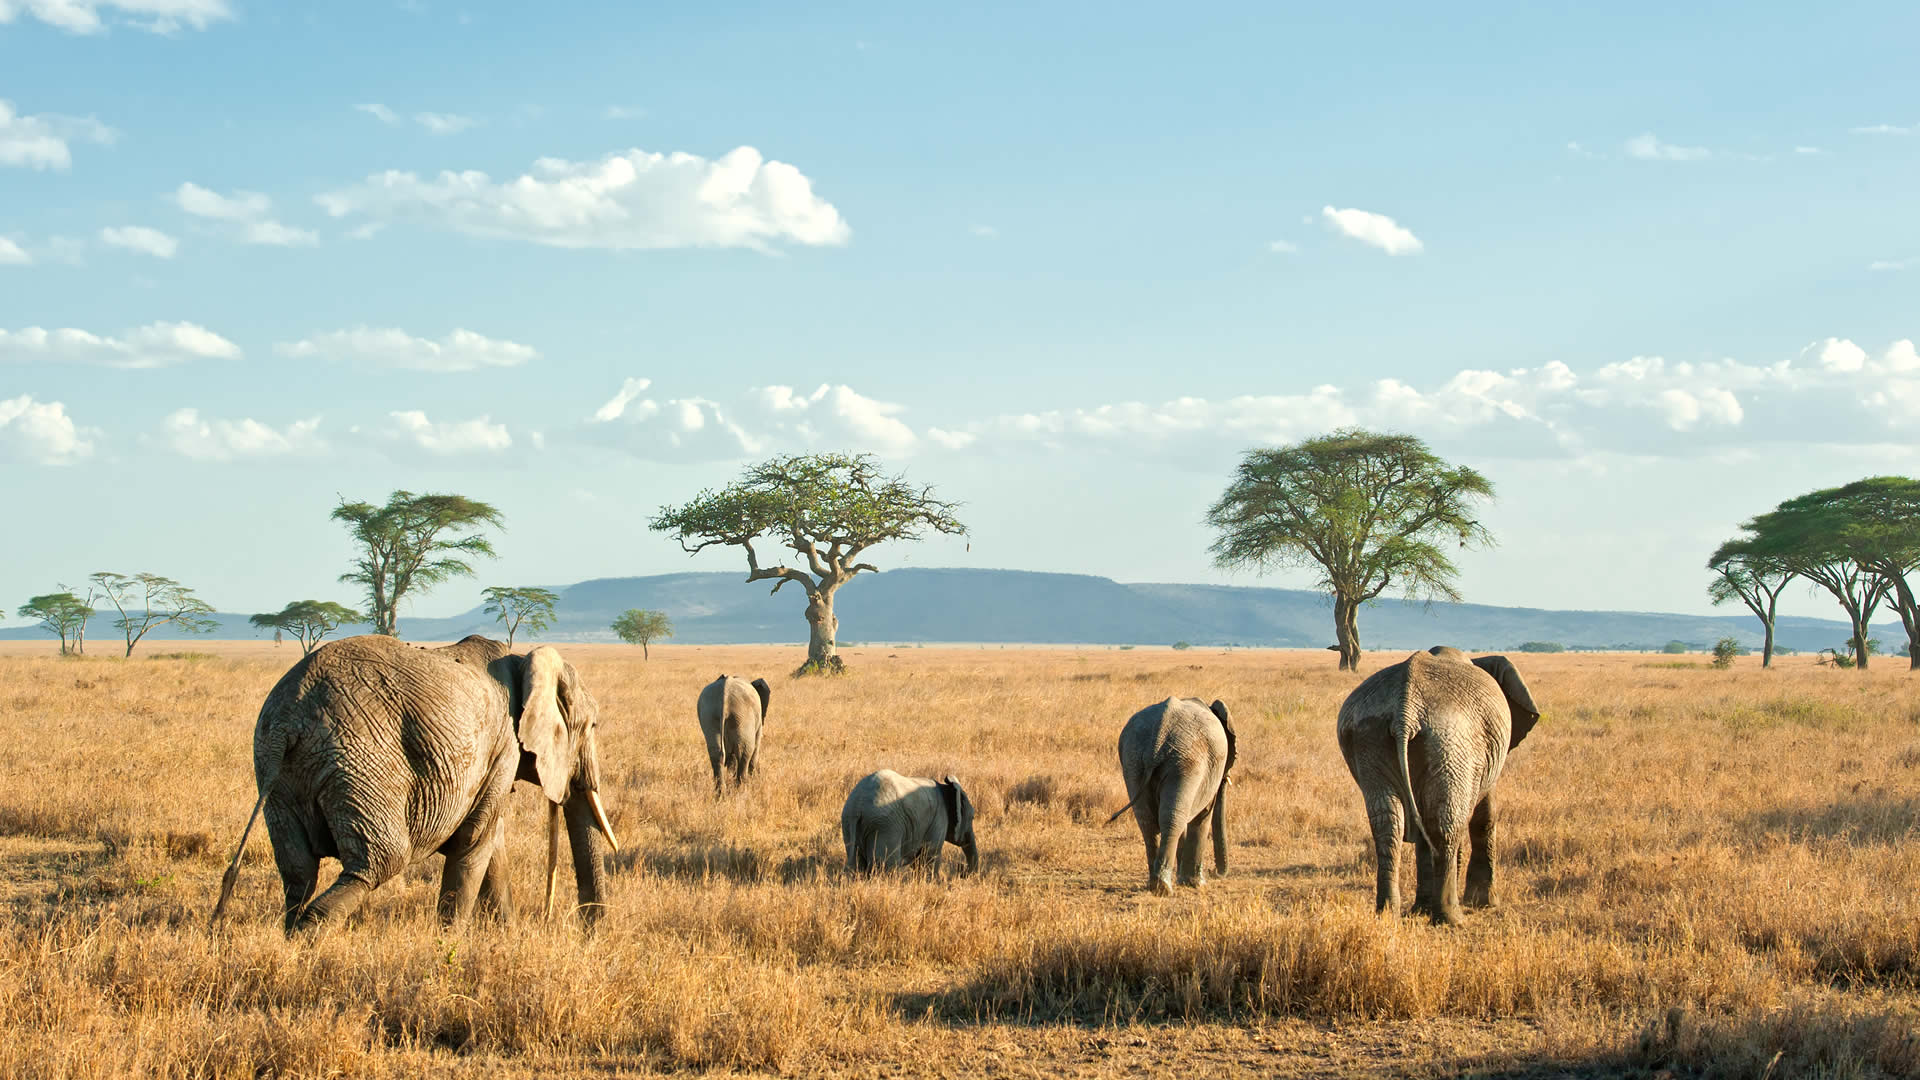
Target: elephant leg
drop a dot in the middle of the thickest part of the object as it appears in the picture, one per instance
(460, 882)
(1480, 829)
(1192, 871)
(341, 899)
(717, 757)
(1146, 814)
(1426, 878)
(1384, 818)
(889, 845)
(1446, 858)
(1170, 845)
(496, 893)
(294, 855)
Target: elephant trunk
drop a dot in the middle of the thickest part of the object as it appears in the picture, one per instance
(971, 849)
(1220, 828)
(589, 875)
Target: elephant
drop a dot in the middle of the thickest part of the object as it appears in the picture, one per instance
(890, 820)
(732, 713)
(1429, 736)
(1177, 757)
(379, 754)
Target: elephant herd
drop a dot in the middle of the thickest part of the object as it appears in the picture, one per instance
(378, 754)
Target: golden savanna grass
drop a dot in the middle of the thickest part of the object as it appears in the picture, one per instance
(1700, 870)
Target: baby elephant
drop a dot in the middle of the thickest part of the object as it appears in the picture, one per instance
(1176, 757)
(732, 712)
(891, 819)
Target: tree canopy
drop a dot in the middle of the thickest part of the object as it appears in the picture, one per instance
(61, 613)
(638, 626)
(1368, 510)
(524, 606)
(828, 509)
(1755, 579)
(309, 621)
(1858, 541)
(148, 601)
(413, 542)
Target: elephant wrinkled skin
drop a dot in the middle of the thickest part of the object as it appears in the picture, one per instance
(732, 713)
(1177, 757)
(379, 754)
(891, 820)
(1426, 739)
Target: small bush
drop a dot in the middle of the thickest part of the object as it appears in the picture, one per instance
(1676, 647)
(1542, 646)
(1725, 650)
(1183, 645)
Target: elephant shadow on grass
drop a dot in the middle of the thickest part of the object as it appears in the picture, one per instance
(1863, 815)
(699, 863)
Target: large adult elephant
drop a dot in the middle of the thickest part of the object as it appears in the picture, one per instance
(1177, 758)
(379, 754)
(891, 820)
(1426, 739)
(732, 712)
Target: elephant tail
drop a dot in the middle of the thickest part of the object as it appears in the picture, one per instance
(1145, 786)
(1403, 733)
(232, 875)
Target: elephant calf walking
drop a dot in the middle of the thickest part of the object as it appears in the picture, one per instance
(1426, 740)
(1176, 757)
(732, 712)
(892, 820)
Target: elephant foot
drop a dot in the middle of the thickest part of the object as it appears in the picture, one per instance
(1422, 905)
(1447, 915)
(1477, 895)
(1160, 887)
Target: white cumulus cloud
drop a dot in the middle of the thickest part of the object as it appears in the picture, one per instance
(91, 16)
(44, 142)
(192, 436)
(630, 200)
(479, 435)
(141, 239)
(12, 254)
(41, 433)
(160, 344)
(461, 350)
(1374, 230)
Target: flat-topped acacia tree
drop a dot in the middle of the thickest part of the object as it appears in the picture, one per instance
(828, 509)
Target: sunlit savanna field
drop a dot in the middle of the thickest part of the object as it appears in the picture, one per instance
(1699, 870)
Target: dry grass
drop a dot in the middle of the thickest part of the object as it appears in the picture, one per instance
(1701, 871)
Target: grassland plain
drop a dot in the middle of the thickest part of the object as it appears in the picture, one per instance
(1701, 871)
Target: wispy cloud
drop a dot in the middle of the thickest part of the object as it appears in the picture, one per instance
(160, 344)
(381, 113)
(139, 238)
(1885, 129)
(1893, 264)
(246, 210)
(413, 429)
(985, 232)
(626, 201)
(12, 254)
(624, 112)
(1373, 230)
(462, 350)
(434, 122)
(207, 439)
(1648, 147)
(45, 141)
(93, 16)
(1282, 247)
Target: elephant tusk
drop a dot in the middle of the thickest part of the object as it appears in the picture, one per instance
(553, 853)
(600, 819)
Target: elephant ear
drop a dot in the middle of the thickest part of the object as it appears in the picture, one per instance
(1519, 701)
(1219, 710)
(766, 694)
(543, 726)
(951, 794)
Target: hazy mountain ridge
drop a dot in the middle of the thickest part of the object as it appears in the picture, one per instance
(995, 606)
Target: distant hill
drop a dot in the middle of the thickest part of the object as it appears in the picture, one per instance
(1019, 606)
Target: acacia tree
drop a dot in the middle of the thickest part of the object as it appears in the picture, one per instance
(412, 543)
(828, 509)
(1882, 529)
(148, 601)
(517, 607)
(308, 620)
(60, 613)
(1368, 509)
(637, 626)
(1810, 535)
(1755, 580)
(90, 600)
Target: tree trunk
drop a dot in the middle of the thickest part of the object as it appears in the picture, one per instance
(1766, 647)
(1347, 632)
(822, 631)
(1859, 642)
(644, 654)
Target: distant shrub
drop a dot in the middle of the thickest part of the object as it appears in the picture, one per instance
(1676, 647)
(1725, 650)
(1542, 646)
(1183, 645)
(1125, 648)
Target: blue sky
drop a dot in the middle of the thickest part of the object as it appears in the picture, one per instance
(1649, 270)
